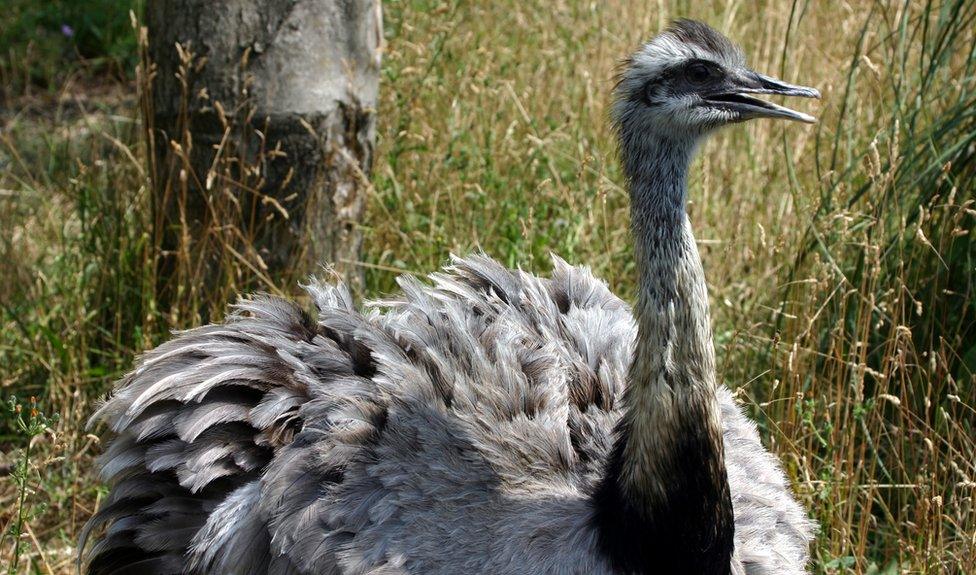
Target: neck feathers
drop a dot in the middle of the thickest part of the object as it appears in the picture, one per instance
(664, 499)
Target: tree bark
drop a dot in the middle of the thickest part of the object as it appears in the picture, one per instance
(262, 123)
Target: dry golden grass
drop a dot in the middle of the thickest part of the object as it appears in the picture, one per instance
(839, 255)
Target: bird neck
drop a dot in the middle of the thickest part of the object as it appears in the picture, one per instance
(664, 499)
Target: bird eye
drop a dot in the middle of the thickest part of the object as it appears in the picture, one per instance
(698, 72)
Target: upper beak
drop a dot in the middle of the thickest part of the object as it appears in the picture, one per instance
(735, 96)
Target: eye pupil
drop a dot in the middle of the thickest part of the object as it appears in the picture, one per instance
(698, 72)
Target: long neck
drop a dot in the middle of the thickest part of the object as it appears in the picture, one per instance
(663, 505)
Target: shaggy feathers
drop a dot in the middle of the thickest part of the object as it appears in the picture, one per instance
(459, 428)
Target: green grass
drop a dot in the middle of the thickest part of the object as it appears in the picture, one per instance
(840, 256)
(43, 44)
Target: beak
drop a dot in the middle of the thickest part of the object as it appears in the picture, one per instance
(736, 96)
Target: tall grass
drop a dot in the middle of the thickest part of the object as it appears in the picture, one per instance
(840, 256)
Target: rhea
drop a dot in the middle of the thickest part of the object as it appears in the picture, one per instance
(486, 421)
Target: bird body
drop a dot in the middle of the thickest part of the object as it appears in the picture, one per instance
(458, 429)
(485, 421)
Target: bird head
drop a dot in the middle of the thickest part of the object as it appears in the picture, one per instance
(689, 80)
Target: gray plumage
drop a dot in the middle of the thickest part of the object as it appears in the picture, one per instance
(462, 427)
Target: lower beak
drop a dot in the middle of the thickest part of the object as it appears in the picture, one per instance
(738, 97)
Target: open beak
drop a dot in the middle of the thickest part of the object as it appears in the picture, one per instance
(737, 96)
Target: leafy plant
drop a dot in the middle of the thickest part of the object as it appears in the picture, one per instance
(29, 422)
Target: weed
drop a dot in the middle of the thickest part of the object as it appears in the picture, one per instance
(28, 422)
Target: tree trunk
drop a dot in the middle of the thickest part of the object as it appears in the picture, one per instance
(261, 117)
